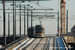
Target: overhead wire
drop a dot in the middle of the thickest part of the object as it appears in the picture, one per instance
(37, 3)
(34, 4)
(6, 5)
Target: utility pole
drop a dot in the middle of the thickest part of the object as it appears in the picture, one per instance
(8, 24)
(20, 20)
(31, 21)
(13, 23)
(67, 23)
(74, 34)
(15, 18)
(27, 19)
(4, 23)
(58, 28)
(58, 24)
(24, 22)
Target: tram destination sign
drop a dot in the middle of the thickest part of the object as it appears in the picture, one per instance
(26, 0)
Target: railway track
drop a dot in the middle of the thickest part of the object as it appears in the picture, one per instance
(51, 44)
(33, 44)
(27, 44)
(23, 43)
(41, 44)
(36, 44)
(47, 43)
(16, 44)
(54, 43)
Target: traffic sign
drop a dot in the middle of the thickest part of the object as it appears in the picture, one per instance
(58, 27)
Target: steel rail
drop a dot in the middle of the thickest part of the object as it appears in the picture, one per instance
(16, 44)
(45, 44)
(51, 44)
(13, 42)
(58, 44)
(37, 44)
(32, 45)
(28, 44)
(65, 44)
(22, 44)
(48, 44)
(54, 43)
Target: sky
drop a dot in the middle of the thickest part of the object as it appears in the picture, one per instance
(49, 24)
(50, 4)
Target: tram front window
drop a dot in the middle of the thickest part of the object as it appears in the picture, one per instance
(39, 30)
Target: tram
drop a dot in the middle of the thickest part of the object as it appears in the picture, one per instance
(30, 32)
(39, 31)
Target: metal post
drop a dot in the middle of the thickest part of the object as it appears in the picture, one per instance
(74, 34)
(15, 18)
(58, 22)
(24, 22)
(58, 18)
(27, 18)
(20, 20)
(13, 23)
(61, 25)
(8, 25)
(31, 21)
(67, 23)
(4, 23)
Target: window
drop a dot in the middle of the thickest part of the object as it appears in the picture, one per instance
(39, 30)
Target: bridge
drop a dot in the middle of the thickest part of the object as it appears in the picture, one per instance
(46, 43)
(59, 41)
